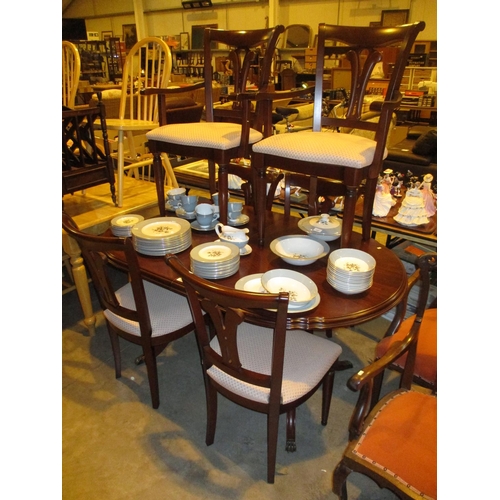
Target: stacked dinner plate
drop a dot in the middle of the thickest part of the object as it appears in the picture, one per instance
(215, 260)
(161, 235)
(122, 224)
(350, 271)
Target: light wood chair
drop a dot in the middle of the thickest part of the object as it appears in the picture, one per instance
(139, 312)
(71, 65)
(352, 158)
(268, 370)
(148, 64)
(228, 131)
(395, 442)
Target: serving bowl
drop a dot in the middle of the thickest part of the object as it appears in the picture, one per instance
(300, 288)
(299, 249)
(322, 227)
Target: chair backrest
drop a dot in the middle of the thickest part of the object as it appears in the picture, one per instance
(94, 249)
(363, 380)
(361, 47)
(86, 162)
(251, 55)
(71, 66)
(224, 307)
(148, 64)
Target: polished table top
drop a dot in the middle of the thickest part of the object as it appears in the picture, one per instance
(335, 308)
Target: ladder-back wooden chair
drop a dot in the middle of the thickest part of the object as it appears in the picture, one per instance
(324, 152)
(227, 132)
(71, 66)
(85, 163)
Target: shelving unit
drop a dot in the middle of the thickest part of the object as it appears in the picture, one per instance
(94, 56)
(415, 74)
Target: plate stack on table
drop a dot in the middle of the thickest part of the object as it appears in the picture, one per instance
(350, 271)
(122, 224)
(323, 227)
(161, 235)
(215, 260)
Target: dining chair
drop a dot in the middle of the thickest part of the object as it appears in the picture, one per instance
(425, 371)
(228, 130)
(265, 369)
(395, 442)
(86, 161)
(349, 157)
(71, 66)
(139, 312)
(148, 64)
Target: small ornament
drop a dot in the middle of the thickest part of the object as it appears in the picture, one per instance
(412, 211)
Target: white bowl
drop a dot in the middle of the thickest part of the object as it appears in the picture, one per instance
(299, 250)
(351, 261)
(301, 289)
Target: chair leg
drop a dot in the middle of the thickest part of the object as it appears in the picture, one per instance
(339, 480)
(348, 216)
(150, 360)
(272, 444)
(291, 444)
(120, 167)
(327, 395)
(115, 347)
(370, 188)
(211, 397)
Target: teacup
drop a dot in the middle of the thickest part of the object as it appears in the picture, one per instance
(234, 209)
(215, 198)
(189, 202)
(205, 214)
(174, 196)
(229, 233)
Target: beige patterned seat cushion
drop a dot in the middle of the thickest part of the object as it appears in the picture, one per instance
(168, 311)
(218, 135)
(321, 147)
(307, 359)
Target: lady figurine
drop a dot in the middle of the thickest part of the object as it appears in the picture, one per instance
(428, 195)
(383, 201)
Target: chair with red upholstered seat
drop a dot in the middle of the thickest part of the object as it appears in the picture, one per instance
(425, 372)
(395, 443)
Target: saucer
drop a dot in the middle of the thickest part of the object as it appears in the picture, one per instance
(196, 225)
(246, 250)
(240, 221)
(180, 212)
(170, 208)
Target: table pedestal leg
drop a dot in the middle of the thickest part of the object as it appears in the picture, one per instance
(81, 280)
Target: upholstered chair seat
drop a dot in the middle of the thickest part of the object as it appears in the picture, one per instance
(341, 149)
(307, 358)
(218, 135)
(411, 457)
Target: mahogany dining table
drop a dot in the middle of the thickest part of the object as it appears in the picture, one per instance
(334, 310)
